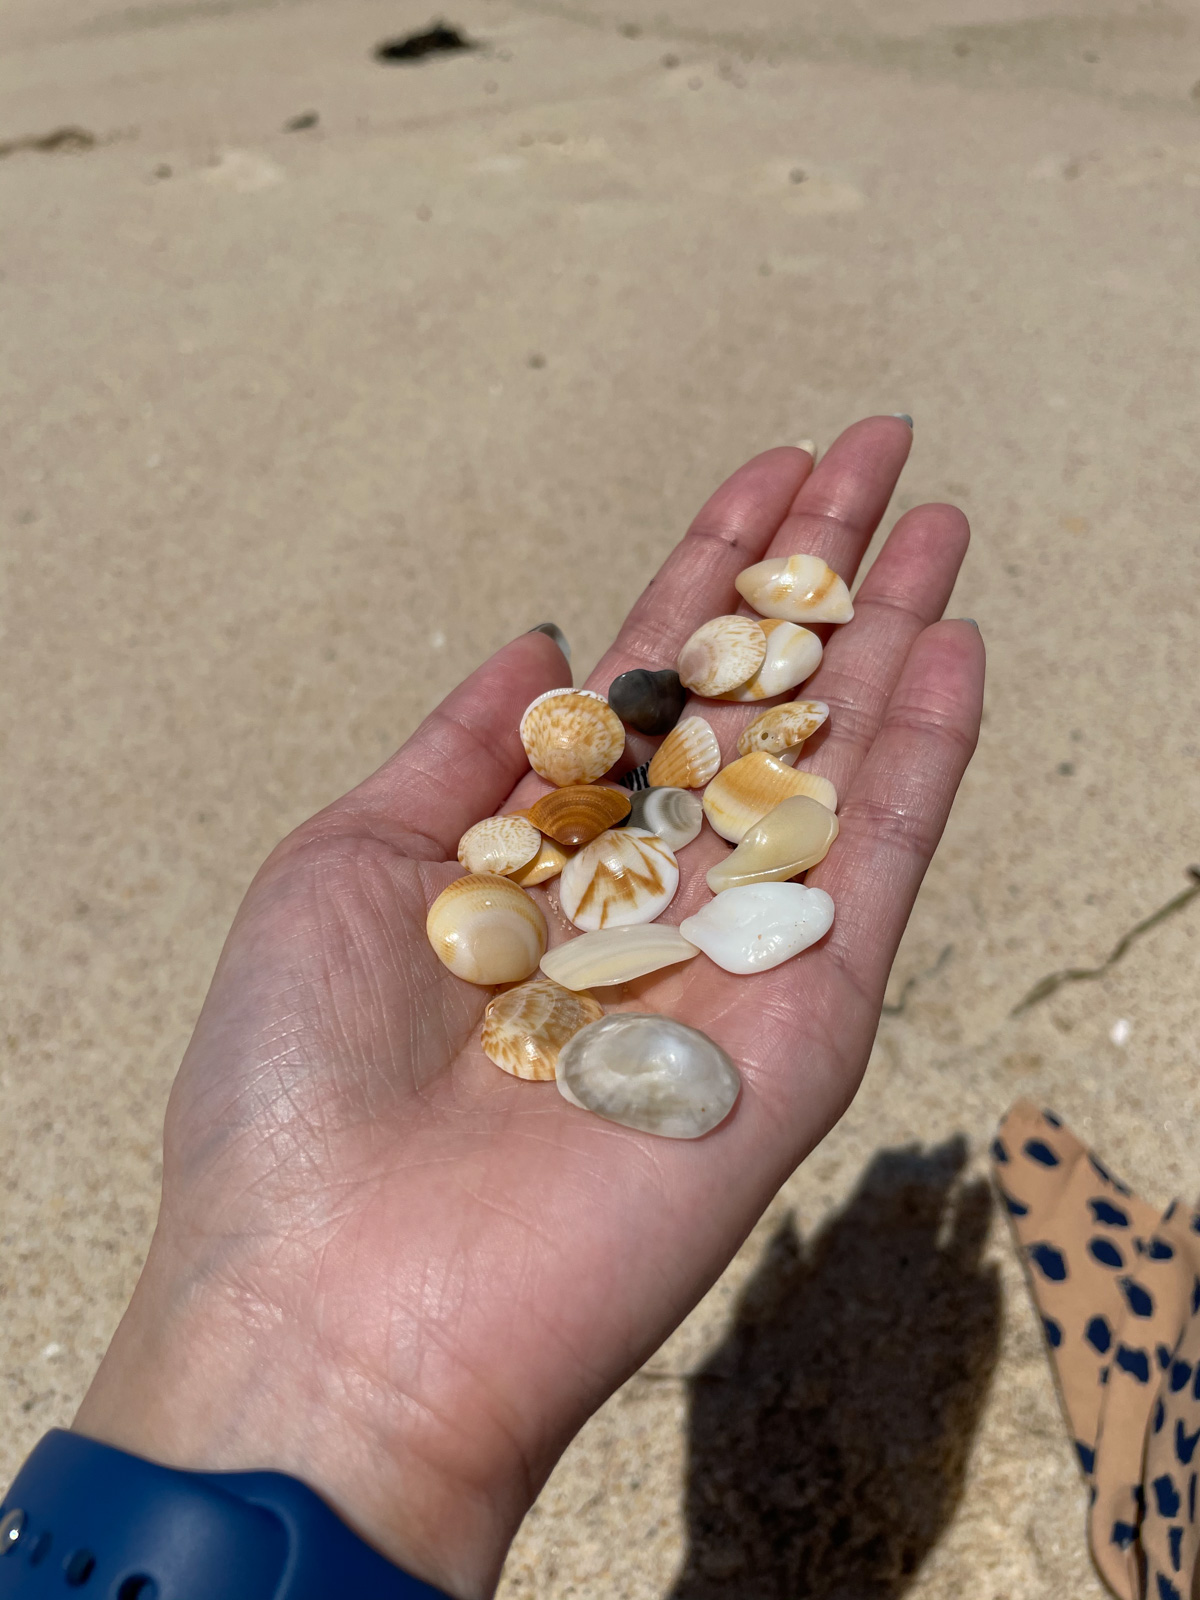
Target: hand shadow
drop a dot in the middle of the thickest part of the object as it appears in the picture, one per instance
(829, 1434)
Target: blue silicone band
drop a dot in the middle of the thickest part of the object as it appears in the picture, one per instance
(84, 1518)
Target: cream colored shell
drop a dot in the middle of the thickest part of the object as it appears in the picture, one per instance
(525, 1028)
(721, 654)
(486, 929)
(793, 654)
(499, 844)
(744, 791)
(783, 727)
(572, 736)
(786, 842)
(687, 758)
(547, 864)
(627, 875)
(616, 955)
(796, 589)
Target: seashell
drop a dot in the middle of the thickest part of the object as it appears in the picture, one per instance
(675, 815)
(649, 1073)
(499, 844)
(721, 654)
(525, 1028)
(687, 758)
(796, 589)
(571, 736)
(638, 778)
(744, 791)
(793, 654)
(760, 925)
(651, 702)
(788, 840)
(616, 955)
(625, 876)
(783, 727)
(486, 930)
(579, 813)
(548, 863)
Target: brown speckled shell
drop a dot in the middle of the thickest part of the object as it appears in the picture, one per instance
(721, 654)
(499, 844)
(572, 736)
(525, 1028)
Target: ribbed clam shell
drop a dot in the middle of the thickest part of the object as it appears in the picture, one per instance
(525, 1028)
(571, 736)
(499, 844)
(760, 926)
(548, 863)
(625, 876)
(486, 929)
(744, 791)
(793, 654)
(783, 727)
(687, 758)
(579, 813)
(721, 654)
(616, 955)
(796, 589)
(790, 839)
(675, 815)
(651, 1073)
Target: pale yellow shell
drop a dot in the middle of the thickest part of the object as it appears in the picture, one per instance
(499, 844)
(687, 758)
(793, 654)
(721, 654)
(744, 791)
(486, 929)
(627, 875)
(572, 736)
(783, 727)
(616, 955)
(796, 589)
(580, 813)
(525, 1028)
(548, 863)
(787, 841)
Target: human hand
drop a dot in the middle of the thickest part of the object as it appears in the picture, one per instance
(386, 1267)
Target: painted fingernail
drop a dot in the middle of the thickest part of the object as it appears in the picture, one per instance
(972, 621)
(903, 416)
(553, 631)
(806, 444)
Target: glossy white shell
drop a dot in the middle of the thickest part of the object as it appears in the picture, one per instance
(625, 876)
(649, 1073)
(758, 927)
(675, 815)
(793, 654)
(616, 955)
(499, 844)
(796, 589)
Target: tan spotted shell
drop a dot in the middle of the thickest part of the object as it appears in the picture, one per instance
(627, 875)
(579, 813)
(793, 654)
(525, 1028)
(499, 844)
(783, 727)
(721, 654)
(744, 791)
(687, 758)
(486, 929)
(572, 736)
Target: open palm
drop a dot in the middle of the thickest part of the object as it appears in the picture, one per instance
(388, 1268)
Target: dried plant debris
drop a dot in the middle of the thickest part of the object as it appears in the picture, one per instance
(898, 1007)
(304, 119)
(57, 141)
(440, 39)
(1055, 980)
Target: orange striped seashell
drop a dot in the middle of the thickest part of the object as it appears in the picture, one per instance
(744, 791)
(572, 736)
(525, 1028)
(486, 929)
(687, 758)
(580, 813)
(721, 654)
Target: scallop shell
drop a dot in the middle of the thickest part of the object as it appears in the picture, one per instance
(783, 727)
(786, 842)
(499, 844)
(548, 863)
(525, 1028)
(580, 813)
(616, 955)
(744, 791)
(721, 654)
(796, 589)
(571, 736)
(687, 758)
(625, 876)
(793, 654)
(675, 815)
(486, 929)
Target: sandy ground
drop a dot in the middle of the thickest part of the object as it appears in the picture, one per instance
(300, 425)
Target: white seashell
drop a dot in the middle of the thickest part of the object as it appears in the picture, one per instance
(793, 654)
(649, 1073)
(783, 728)
(788, 840)
(675, 815)
(486, 929)
(572, 736)
(796, 589)
(616, 955)
(625, 876)
(548, 863)
(499, 844)
(687, 758)
(760, 925)
(525, 1028)
(721, 654)
(744, 791)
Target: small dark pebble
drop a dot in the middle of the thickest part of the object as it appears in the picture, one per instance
(670, 60)
(637, 779)
(304, 119)
(651, 702)
(441, 39)
(1066, 769)
(536, 361)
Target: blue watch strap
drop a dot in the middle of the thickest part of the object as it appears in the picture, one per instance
(83, 1515)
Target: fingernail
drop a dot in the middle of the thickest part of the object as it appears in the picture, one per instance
(553, 631)
(971, 620)
(806, 444)
(903, 416)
